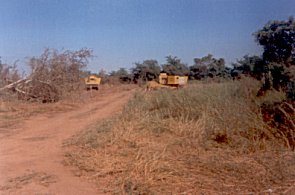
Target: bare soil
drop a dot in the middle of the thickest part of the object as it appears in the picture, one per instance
(31, 152)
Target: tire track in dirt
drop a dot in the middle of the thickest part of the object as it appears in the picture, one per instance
(31, 160)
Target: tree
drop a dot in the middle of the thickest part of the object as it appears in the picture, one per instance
(278, 41)
(122, 75)
(146, 71)
(208, 66)
(253, 66)
(120, 72)
(174, 66)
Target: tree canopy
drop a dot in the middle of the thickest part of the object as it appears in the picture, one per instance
(147, 70)
(278, 41)
(174, 66)
(250, 65)
(208, 66)
(120, 72)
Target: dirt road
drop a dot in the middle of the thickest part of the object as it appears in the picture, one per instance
(31, 159)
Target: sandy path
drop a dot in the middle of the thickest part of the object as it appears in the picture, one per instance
(31, 160)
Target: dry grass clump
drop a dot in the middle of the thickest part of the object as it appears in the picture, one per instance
(207, 138)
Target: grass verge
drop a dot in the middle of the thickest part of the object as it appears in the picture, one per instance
(207, 138)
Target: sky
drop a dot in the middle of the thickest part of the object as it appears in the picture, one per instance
(122, 32)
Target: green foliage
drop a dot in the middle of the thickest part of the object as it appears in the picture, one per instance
(174, 66)
(280, 75)
(276, 67)
(148, 70)
(278, 41)
(122, 74)
(209, 67)
(250, 65)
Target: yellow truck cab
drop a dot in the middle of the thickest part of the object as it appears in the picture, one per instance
(92, 82)
(174, 80)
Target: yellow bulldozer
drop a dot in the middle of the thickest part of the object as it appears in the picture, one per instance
(168, 81)
(92, 82)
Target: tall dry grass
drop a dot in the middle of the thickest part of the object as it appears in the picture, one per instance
(207, 138)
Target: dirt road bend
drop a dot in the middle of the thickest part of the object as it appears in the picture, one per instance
(31, 159)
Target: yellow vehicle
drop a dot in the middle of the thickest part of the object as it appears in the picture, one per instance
(92, 82)
(168, 81)
(174, 80)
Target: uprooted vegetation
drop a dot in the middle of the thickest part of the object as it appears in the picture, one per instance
(207, 138)
(54, 76)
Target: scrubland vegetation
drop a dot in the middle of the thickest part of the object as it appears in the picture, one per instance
(209, 138)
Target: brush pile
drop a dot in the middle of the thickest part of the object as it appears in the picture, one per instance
(54, 76)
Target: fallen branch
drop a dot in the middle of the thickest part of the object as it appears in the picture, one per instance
(11, 85)
(25, 93)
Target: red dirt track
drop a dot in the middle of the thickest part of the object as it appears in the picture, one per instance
(31, 159)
